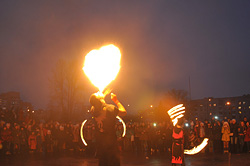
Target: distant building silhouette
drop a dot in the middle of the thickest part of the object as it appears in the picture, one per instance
(229, 107)
(11, 101)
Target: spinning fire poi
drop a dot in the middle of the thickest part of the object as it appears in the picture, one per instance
(102, 66)
(176, 115)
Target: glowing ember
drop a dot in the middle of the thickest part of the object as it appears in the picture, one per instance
(84, 122)
(198, 148)
(102, 66)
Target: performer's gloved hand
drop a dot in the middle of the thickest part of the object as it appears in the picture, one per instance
(114, 98)
(107, 91)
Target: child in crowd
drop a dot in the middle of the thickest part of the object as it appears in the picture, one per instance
(225, 136)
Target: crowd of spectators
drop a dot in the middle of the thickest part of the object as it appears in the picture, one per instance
(34, 136)
(39, 137)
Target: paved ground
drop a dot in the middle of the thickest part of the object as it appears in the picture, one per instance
(127, 160)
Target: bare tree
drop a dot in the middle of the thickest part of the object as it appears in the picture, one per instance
(172, 97)
(65, 87)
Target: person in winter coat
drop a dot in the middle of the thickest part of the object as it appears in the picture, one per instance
(233, 136)
(6, 137)
(144, 139)
(216, 131)
(23, 140)
(76, 138)
(241, 136)
(202, 131)
(225, 136)
(49, 141)
(32, 141)
(247, 136)
(16, 139)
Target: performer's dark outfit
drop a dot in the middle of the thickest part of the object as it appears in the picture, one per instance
(107, 147)
(177, 146)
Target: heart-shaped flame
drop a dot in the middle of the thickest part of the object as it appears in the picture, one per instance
(102, 66)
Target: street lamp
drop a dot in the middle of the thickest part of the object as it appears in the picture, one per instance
(229, 108)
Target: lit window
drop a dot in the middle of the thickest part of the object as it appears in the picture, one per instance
(210, 113)
(239, 112)
(240, 103)
(228, 103)
(210, 105)
(249, 107)
(244, 102)
(202, 105)
(214, 105)
(239, 107)
(209, 99)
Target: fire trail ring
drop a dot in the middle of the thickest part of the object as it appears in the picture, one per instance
(84, 122)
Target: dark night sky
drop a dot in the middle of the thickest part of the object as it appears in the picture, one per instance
(162, 44)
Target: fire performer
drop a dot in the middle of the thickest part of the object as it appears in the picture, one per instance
(105, 118)
(178, 142)
(176, 115)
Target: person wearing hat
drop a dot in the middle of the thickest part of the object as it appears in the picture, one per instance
(105, 119)
(225, 130)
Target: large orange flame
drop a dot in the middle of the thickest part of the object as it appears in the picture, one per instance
(198, 148)
(102, 66)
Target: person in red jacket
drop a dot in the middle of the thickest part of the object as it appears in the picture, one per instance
(247, 136)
